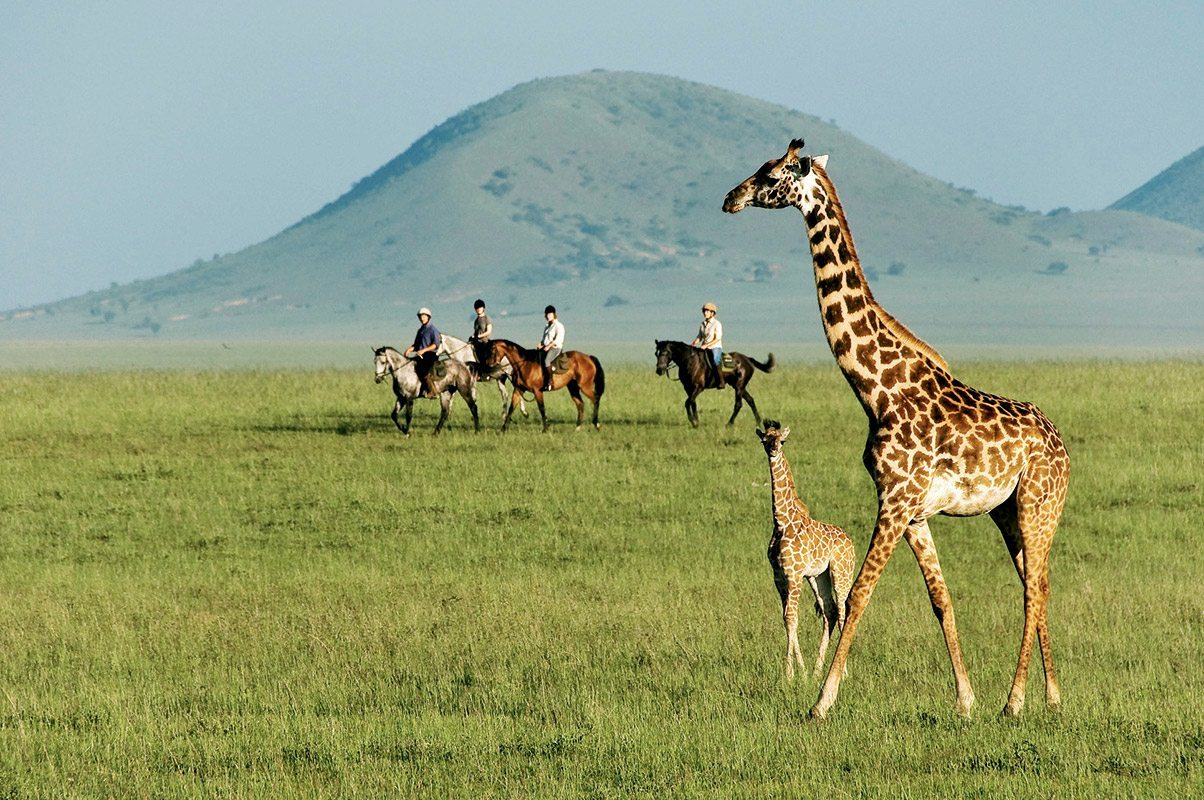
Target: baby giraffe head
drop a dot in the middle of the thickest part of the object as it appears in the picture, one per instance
(773, 437)
(779, 182)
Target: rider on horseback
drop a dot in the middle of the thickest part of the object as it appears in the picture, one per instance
(426, 342)
(552, 344)
(710, 337)
(482, 332)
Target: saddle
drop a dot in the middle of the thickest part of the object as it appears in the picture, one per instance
(727, 365)
(562, 363)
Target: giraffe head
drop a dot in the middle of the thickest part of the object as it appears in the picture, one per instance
(779, 182)
(773, 437)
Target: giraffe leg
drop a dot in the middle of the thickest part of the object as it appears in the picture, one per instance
(821, 585)
(1006, 516)
(790, 619)
(1039, 498)
(924, 548)
(887, 532)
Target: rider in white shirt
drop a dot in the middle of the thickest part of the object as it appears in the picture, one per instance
(710, 336)
(551, 344)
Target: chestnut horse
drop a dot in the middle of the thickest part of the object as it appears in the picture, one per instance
(583, 374)
(696, 373)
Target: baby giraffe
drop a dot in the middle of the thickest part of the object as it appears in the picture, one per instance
(804, 548)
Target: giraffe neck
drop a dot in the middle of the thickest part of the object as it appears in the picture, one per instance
(875, 351)
(785, 499)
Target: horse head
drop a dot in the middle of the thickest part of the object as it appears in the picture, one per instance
(380, 357)
(663, 357)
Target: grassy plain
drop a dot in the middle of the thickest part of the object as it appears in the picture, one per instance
(247, 584)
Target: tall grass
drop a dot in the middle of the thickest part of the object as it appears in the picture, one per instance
(247, 584)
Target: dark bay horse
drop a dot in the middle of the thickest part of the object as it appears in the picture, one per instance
(406, 386)
(696, 373)
(582, 374)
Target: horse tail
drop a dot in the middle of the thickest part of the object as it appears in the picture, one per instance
(768, 366)
(599, 377)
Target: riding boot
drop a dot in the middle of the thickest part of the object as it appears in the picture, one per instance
(547, 378)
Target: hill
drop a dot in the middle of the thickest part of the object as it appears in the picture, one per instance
(1175, 194)
(601, 193)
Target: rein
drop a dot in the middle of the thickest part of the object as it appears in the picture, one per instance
(463, 346)
(671, 366)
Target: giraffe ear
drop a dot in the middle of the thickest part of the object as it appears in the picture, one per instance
(784, 434)
(821, 161)
(802, 167)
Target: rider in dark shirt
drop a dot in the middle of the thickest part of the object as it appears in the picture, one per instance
(426, 342)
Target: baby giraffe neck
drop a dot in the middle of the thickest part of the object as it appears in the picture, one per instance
(785, 498)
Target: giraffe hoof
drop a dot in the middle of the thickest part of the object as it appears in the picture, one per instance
(817, 714)
(1012, 711)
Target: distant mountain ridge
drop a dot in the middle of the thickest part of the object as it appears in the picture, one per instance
(601, 193)
(1175, 194)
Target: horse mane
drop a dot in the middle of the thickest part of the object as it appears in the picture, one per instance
(901, 331)
(527, 353)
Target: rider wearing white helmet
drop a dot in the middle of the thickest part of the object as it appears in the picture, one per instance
(426, 342)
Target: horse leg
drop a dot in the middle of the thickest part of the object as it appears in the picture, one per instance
(501, 390)
(472, 406)
(543, 415)
(692, 407)
(515, 397)
(575, 393)
(592, 393)
(742, 391)
(397, 408)
(736, 407)
(444, 405)
(409, 417)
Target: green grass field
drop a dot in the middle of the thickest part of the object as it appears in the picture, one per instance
(248, 584)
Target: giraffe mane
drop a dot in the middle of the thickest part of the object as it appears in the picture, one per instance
(897, 328)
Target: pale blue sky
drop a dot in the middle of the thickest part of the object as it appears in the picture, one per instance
(136, 137)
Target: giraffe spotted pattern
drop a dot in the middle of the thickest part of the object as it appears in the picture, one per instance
(935, 445)
(801, 550)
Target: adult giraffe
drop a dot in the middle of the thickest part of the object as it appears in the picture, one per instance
(935, 445)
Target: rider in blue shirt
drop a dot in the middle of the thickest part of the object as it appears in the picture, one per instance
(426, 342)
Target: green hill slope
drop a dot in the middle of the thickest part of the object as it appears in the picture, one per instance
(600, 193)
(1175, 194)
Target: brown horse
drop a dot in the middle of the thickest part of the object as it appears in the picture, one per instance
(696, 373)
(582, 374)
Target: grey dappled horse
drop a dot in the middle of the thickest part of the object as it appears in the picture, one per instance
(463, 352)
(406, 386)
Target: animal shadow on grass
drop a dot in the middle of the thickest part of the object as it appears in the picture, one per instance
(336, 423)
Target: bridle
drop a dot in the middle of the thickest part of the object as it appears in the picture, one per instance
(391, 369)
(671, 363)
